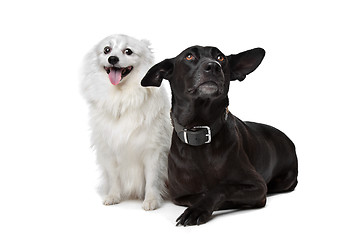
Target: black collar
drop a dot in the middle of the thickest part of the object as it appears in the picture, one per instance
(198, 135)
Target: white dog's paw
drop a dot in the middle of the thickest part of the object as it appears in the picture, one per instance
(111, 200)
(150, 204)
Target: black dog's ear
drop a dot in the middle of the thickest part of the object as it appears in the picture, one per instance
(157, 73)
(245, 62)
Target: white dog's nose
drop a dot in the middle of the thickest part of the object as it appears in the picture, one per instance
(113, 60)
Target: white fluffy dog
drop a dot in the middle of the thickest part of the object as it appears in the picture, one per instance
(130, 124)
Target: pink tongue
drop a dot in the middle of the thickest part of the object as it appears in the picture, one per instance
(115, 76)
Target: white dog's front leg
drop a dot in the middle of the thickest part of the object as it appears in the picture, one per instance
(154, 186)
(152, 196)
(113, 197)
(111, 183)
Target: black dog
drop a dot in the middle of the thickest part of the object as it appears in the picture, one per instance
(216, 161)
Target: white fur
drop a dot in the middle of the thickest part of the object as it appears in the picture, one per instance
(130, 124)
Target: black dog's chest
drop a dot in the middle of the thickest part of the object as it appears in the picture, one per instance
(196, 171)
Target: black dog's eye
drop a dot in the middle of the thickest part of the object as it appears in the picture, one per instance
(190, 57)
(128, 51)
(107, 49)
(220, 58)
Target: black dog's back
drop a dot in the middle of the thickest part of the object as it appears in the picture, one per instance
(272, 153)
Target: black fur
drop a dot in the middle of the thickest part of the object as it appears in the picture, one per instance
(244, 160)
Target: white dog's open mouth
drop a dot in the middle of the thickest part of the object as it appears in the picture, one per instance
(116, 74)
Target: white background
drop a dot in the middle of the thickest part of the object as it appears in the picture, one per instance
(307, 86)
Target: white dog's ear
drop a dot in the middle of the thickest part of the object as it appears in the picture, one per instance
(146, 42)
(245, 62)
(157, 73)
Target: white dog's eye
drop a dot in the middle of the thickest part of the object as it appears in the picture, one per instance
(107, 49)
(128, 51)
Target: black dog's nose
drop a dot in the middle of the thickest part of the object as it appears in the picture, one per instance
(212, 67)
(113, 60)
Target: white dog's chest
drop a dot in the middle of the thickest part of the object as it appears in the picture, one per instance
(126, 132)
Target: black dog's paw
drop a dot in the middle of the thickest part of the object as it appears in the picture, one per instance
(193, 216)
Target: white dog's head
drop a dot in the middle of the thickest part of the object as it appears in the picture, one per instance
(117, 62)
(118, 57)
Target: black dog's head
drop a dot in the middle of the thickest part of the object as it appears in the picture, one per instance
(203, 72)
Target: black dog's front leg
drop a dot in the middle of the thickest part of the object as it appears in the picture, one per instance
(200, 212)
(224, 196)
